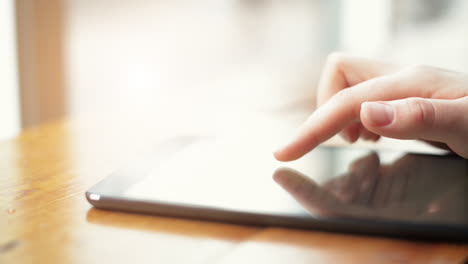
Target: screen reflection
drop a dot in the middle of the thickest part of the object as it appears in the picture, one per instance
(414, 187)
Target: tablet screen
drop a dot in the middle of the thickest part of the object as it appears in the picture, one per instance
(230, 175)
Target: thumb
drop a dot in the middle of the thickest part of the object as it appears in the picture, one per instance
(419, 118)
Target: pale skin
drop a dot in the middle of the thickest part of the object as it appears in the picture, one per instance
(361, 98)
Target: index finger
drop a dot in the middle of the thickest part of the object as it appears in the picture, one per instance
(344, 108)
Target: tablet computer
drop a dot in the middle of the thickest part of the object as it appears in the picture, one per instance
(342, 189)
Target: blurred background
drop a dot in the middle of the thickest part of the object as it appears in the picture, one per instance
(202, 62)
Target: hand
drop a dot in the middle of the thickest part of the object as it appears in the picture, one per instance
(363, 98)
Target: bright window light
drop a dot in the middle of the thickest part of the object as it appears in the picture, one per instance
(9, 106)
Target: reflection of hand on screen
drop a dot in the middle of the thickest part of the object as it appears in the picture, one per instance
(413, 187)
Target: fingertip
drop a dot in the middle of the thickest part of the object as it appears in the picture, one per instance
(368, 135)
(375, 138)
(281, 175)
(278, 156)
(286, 152)
(282, 155)
(351, 133)
(289, 152)
(349, 136)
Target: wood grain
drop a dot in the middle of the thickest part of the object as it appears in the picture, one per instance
(44, 217)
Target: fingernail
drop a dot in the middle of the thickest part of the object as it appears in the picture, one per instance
(378, 114)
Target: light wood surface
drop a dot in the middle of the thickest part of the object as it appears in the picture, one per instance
(45, 218)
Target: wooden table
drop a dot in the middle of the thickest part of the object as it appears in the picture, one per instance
(45, 218)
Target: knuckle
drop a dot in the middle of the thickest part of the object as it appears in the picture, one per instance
(421, 111)
(422, 69)
(418, 75)
(348, 97)
(417, 68)
(383, 83)
(343, 95)
(336, 59)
